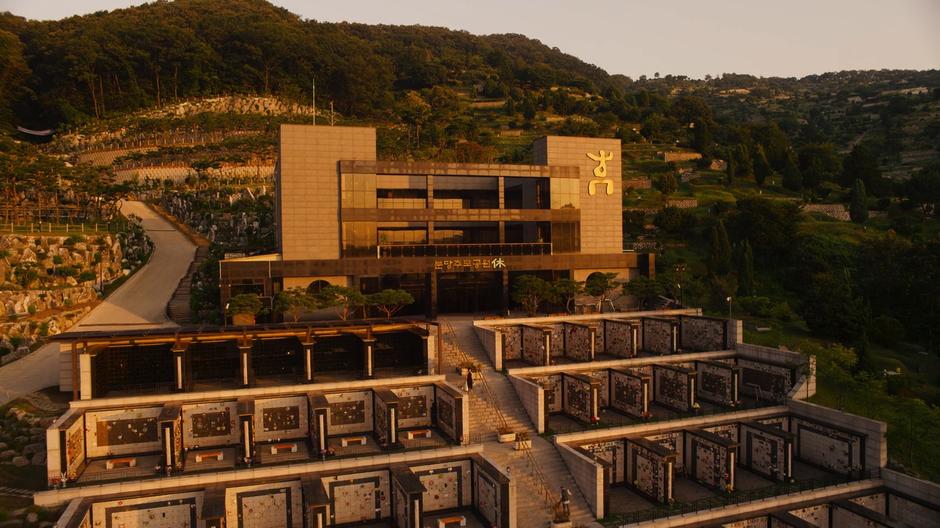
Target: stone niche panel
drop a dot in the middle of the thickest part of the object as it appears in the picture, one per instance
(533, 345)
(359, 497)
(265, 505)
(629, 392)
(817, 515)
(673, 441)
(673, 387)
(702, 334)
(727, 431)
(709, 461)
(613, 453)
(512, 342)
(579, 398)
(447, 485)
(603, 377)
(766, 450)
(180, 509)
(618, 338)
(281, 418)
(122, 431)
(659, 336)
(912, 513)
(825, 446)
(447, 413)
(552, 386)
(489, 499)
(350, 412)
(381, 420)
(647, 471)
(558, 340)
(874, 502)
(210, 424)
(717, 382)
(773, 381)
(414, 406)
(74, 447)
(577, 342)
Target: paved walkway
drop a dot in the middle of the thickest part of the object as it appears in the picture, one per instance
(138, 303)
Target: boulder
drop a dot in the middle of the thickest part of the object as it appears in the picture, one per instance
(32, 449)
(39, 459)
(7, 454)
(20, 461)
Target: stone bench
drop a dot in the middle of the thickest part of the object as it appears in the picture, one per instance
(126, 462)
(444, 522)
(218, 456)
(277, 449)
(353, 440)
(418, 433)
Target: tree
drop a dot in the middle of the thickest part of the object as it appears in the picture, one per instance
(244, 304)
(600, 285)
(744, 162)
(719, 253)
(730, 170)
(566, 290)
(924, 189)
(390, 301)
(667, 184)
(347, 299)
(818, 163)
(832, 307)
(645, 289)
(294, 302)
(769, 225)
(792, 179)
(858, 204)
(862, 164)
(762, 169)
(530, 291)
(746, 285)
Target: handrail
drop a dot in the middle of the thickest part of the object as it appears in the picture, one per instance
(493, 249)
(465, 358)
(738, 497)
(540, 480)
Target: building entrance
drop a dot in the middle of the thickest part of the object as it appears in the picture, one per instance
(469, 292)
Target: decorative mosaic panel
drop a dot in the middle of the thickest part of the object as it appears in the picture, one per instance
(446, 415)
(552, 386)
(512, 344)
(210, 424)
(702, 334)
(488, 500)
(176, 510)
(727, 431)
(414, 404)
(627, 394)
(709, 462)
(533, 346)
(579, 398)
(272, 505)
(359, 497)
(774, 381)
(672, 387)
(578, 342)
(827, 447)
(764, 452)
(281, 418)
(647, 472)
(618, 338)
(122, 431)
(350, 412)
(381, 421)
(558, 340)
(658, 336)
(74, 448)
(446, 484)
(612, 453)
(673, 441)
(717, 382)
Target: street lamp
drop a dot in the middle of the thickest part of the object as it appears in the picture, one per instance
(729, 307)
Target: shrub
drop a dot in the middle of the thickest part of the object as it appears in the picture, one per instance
(782, 312)
(886, 330)
(756, 306)
(86, 276)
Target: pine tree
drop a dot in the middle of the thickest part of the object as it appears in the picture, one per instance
(792, 179)
(858, 205)
(762, 169)
(746, 270)
(730, 170)
(719, 256)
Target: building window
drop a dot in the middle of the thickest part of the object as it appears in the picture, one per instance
(404, 233)
(358, 191)
(395, 191)
(566, 193)
(466, 192)
(566, 237)
(466, 233)
(526, 193)
(359, 239)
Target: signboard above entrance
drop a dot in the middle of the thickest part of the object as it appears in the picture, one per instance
(470, 264)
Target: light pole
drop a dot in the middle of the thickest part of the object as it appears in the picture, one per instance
(729, 307)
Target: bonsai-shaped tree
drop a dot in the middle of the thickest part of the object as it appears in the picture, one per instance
(348, 299)
(600, 285)
(645, 289)
(566, 290)
(294, 302)
(530, 291)
(390, 302)
(243, 304)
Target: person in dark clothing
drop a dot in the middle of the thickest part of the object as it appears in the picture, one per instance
(469, 380)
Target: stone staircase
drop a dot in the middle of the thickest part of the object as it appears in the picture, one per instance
(533, 508)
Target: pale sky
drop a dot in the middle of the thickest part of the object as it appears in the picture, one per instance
(681, 37)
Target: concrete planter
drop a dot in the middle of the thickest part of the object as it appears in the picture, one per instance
(523, 444)
(505, 438)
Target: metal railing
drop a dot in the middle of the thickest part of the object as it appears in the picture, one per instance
(466, 359)
(464, 250)
(738, 497)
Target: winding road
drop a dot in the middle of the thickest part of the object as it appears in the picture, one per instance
(139, 303)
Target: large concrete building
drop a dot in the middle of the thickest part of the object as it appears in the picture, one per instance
(455, 235)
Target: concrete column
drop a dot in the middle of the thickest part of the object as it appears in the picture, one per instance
(180, 376)
(308, 361)
(244, 373)
(368, 364)
(86, 375)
